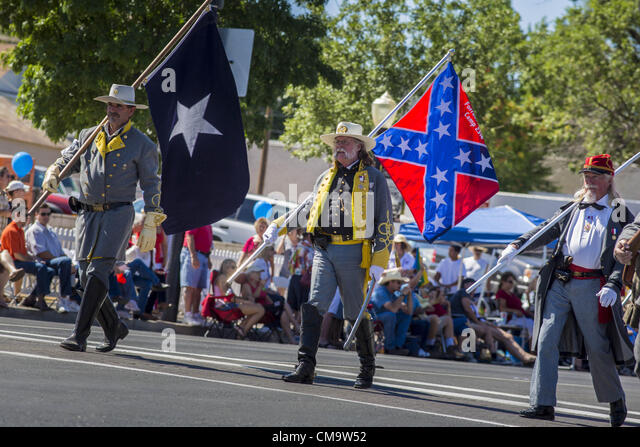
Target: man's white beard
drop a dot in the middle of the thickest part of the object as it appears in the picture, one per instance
(590, 196)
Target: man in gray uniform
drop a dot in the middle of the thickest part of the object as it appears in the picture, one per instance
(351, 223)
(110, 169)
(578, 310)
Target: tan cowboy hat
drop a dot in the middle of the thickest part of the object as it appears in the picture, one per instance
(391, 275)
(121, 94)
(347, 129)
(254, 267)
(400, 239)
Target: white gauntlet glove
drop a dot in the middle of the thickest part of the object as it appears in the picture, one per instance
(375, 272)
(508, 254)
(147, 239)
(607, 296)
(51, 178)
(271, 235)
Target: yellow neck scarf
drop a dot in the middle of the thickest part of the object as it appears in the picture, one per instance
(115, 143)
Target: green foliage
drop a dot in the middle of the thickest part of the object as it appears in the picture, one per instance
(73, 50)
(582, 79)
(381, 45)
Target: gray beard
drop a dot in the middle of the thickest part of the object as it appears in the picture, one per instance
(590, 197)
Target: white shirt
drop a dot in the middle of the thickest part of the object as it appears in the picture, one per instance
(406, 262)
(586, 234)
(450, 272)
(475, 268)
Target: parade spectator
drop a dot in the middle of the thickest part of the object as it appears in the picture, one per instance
(450, 270)
(401, 254)
(474, 265)
(281, 310)
(158, 298)
(5, 207)
(285, 246)
(44, 245)
(249, 308)
(143, 277)
(394, 310)
(299, 267)
(194, 271)
(13, 240)
(332, 327)
(254, 241)
(511, 303)
(462, 303)
(437, 304)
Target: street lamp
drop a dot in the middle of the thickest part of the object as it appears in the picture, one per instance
(380, 108)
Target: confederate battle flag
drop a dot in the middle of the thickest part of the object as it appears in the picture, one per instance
(437, 157)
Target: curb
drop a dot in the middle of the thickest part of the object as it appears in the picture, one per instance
(70, 318)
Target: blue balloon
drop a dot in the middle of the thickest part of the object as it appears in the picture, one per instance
(262, 209)
(22, 163)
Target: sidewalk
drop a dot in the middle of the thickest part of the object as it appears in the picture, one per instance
(70, 318)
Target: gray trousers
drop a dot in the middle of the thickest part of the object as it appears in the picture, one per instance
(579, 296)
(100, 268)
(338, 265)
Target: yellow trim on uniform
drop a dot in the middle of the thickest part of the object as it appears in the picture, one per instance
(115, 144)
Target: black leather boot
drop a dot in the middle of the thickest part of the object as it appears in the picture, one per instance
(114, 329)
(618, 413)
(545, 412)
(366, 353)
(94, 295)
(309, 337)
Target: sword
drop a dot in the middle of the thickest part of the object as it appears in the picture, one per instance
(347, 343)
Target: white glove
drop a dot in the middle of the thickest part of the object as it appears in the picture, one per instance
(507, 254)
(375, 272)
(147, 239)
(271, 234)
(51, 178)
(607, 296)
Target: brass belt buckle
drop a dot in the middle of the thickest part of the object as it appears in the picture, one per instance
(98, 207)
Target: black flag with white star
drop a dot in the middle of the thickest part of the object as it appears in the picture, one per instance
(195, 110)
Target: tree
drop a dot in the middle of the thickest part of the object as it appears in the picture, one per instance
(389, 45)
(73, 50)
(582, 80)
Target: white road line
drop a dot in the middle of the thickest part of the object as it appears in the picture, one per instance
(261, 388)
(330, 373)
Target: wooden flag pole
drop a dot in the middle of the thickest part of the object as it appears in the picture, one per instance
(179, 35)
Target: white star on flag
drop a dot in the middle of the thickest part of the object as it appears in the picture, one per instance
(446, 83)
(440, 176)
(463, 157)
(191, 123)
(422, 149)
(442, 130)
(444, 107)
(437, 223)
(484, 162)
(386, 141)
(404, 145)
(439, 199)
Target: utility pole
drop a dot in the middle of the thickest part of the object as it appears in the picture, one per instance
(265, 150)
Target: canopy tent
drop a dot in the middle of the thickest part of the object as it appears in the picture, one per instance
(496, 226)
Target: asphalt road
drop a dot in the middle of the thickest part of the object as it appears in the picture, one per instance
(216, 382)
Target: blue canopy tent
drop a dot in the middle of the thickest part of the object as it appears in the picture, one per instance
(485, 226)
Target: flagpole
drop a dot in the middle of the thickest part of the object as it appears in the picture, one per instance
(543, 230)
(185, 28)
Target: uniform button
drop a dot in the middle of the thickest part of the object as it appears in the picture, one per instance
(117, 155)
(114, 165)
(110, 175)
(102, 194)
(108, 186)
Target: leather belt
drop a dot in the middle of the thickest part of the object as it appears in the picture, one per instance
(99, 207)
(582, 273)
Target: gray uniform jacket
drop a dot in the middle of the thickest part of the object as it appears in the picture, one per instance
(109, 178)
(572, 341)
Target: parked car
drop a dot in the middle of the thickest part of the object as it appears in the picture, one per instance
(238, 227)
(59, 202)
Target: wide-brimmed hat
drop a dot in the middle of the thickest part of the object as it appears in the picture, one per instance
(479, 248)
(15, 185)
(400, 239)
(599, 164)
(254, 268)
(392, 275)
(121, 94)
(347, 129)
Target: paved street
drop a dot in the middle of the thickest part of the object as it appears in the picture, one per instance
(216, 382)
